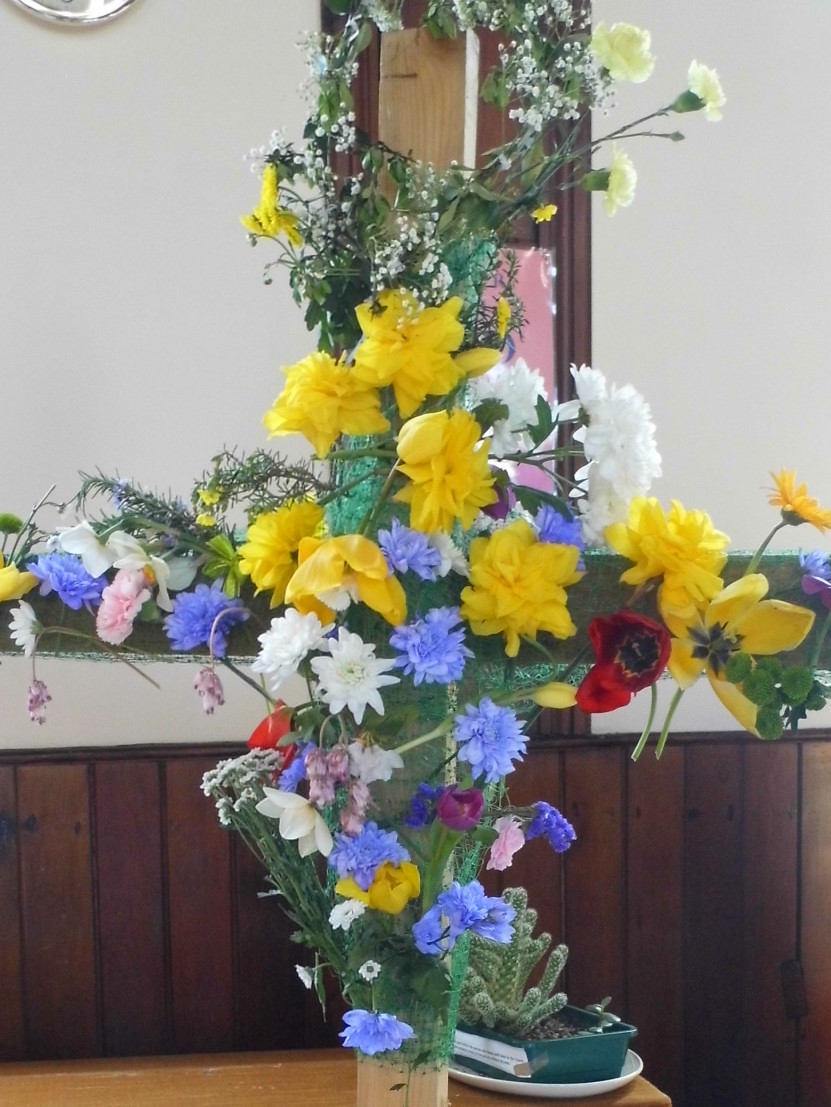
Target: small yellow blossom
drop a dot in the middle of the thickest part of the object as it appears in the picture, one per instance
(503, 316)
(795, 503)
(392, 888)
(544, 214)
(205, 519)
(209, 496)
(412, 348)
(738, 619)
(334, 571)
(680, 548)
(323, 399)
(445, 460)
(624, 50)
(518, 586)
(268, 217)
(620, 190)
(704, 83)
(15, 583)
(269, 554)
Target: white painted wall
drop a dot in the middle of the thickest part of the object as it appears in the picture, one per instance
(135, 333)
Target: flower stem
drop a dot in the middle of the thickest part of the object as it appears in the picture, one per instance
(662, 738)
(647, 730)
(757, 557)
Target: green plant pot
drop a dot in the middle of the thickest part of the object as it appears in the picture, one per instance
(581, 1059)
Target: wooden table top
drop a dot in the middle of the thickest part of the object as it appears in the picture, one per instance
(309, 1078)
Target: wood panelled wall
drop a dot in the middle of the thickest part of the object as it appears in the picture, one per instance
(697, 895)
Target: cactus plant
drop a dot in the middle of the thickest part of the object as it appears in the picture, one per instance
(495, 992)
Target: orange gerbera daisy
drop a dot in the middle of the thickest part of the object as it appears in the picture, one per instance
(796, 505)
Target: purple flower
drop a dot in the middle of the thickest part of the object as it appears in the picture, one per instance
(361, 856)
(195, 617)
(423, 806)
(549, 823)
(460, 808)
(65, 574)
(816, 575)
(374, 1031)
(563, 530)
(490, 738)
(409, 550)
(463, 907)
(431, 650)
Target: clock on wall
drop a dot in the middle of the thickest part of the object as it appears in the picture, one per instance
(75, 11)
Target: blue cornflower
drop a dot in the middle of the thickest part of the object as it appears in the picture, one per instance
(490, 738)
(430, 649)
(463, 907)
(548, 822)
(291, 777)
(559, 529)
(423, 806)
(360, 857)
(65, 574)
(374, 1031)
(816, 575)
(409, 550)
(194, 613)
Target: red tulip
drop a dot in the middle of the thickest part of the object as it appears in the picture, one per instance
(632, 651)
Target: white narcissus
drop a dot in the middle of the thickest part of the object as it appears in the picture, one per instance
(299, 821)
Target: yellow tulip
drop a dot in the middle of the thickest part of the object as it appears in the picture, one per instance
(14, 583)
(557, 694)
(392, 888)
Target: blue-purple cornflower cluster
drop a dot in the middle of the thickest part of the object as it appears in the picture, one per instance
(362, 855)
(374, 1032)
(816, 575)
(202, 617)
(460, 908)
(409, 551)
(559, 529)
(432, 649)
(490, 738)
(65, 574)
(550, 824)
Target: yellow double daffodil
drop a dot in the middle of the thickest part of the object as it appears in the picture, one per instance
(392, 888)
(270, 551)
(738, 619)
(337, 570)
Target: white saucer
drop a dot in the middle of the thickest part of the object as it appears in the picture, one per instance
(631, 1067)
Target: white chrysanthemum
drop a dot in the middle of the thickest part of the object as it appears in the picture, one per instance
(25, 627)
(451, 556)
(305, 975)
(705, 84)
(620, 441)
(369, 763)
(620, 191)
(352, 675)
(344, 914)
(599, 508)
(589, 387)
(518, 387)
(289, 641)
(299, 821)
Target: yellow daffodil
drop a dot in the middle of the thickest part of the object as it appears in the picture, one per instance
(322, 399)
(392, 888)
(544, 214)
(738, 619)
(334, 571)
(503, 316)
(518, 586)
(412, 348)
(14, 583)
(268, 217)
(624, 50)
(680, 548)
(557, 695)
(446, 462)
(795, 503)
(269, 554)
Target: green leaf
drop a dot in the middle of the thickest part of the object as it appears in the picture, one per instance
(545, 422)
(364, 38)
(339, 7)
(490, 411)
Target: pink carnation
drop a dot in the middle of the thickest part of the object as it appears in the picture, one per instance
(121, 601)
(509, 839)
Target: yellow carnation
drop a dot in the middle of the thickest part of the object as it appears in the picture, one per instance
(411, 348)
(680, 548)
(620, 189)
(446, 462)
(334, 571)
(322, 399)
(705, 84)
(268, 217)
(392, 888)
(269, 554)
(624, 51)
(518, 586)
